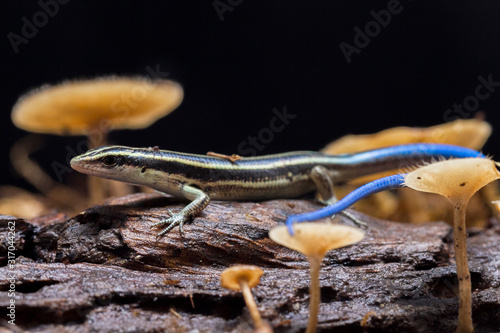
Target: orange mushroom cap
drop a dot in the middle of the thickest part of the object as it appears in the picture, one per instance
(75, 107)
(316, 239)
(456, 179)
(230, 278)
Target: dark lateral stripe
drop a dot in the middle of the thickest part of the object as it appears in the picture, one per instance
(213, 174)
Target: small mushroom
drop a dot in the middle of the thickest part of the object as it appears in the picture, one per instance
(457, 180)
(95, 107)
(243, 278)
(315, 240)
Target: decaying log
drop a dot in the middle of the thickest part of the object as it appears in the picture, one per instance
(105, 270)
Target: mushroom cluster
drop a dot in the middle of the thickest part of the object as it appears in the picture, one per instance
(457, 180)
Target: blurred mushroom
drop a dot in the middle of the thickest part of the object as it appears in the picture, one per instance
(470, 133)
(457, 180)
(243, 278)
(315, 240)
(21, 203)
(95, 107)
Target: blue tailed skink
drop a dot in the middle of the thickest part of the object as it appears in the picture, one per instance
(199, 178)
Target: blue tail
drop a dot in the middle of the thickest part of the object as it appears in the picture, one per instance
(391, 182)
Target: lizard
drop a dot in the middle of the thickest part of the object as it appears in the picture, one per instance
(201, 178)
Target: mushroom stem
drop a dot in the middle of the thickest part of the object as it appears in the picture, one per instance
(99, 188)
(464, 280)
(97, 193)
(97, 136)
(315, 293)
(96, 186)
(252, 307)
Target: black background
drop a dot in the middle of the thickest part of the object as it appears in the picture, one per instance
(262, 55)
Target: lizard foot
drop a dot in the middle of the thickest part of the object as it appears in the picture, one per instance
(353, 218)
(172, 221)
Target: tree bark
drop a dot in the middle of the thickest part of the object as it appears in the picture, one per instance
(105, 270)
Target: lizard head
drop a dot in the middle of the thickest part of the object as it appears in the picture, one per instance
(111, 162)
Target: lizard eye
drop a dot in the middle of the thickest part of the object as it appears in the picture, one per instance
(109, 160)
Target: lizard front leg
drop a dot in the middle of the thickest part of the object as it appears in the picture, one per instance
(199, 200)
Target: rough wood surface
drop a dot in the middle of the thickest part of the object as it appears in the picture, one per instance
(105, 271)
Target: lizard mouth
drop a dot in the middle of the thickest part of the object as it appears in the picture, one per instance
(91, 169)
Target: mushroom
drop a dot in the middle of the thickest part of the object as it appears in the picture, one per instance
(243, 278)
(17, 202)
(315, 240)
(94, 107)
(457, 180)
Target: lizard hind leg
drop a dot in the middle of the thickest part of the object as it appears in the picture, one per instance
(324, 185)
(351, 217)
